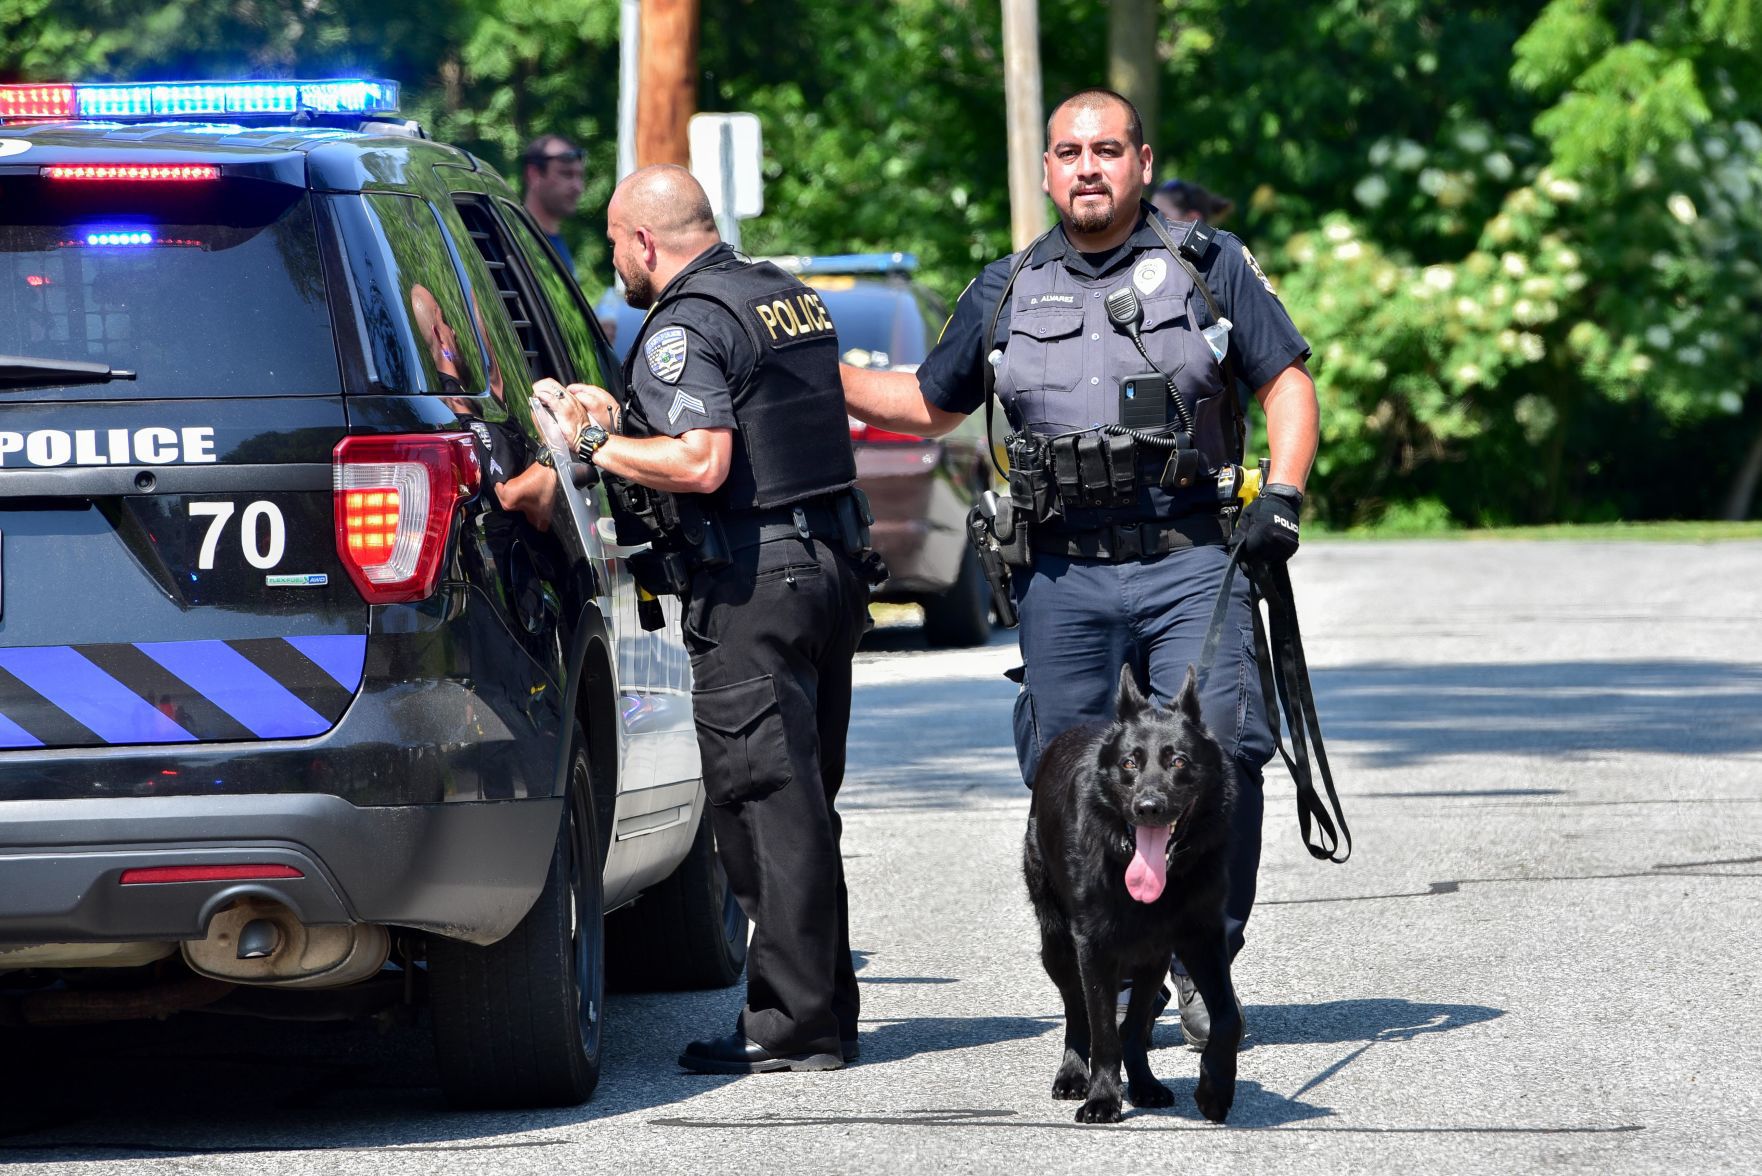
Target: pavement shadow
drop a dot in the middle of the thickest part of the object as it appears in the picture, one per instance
(206, 1084)
(1340, 1022)
(1404, 714)
(893, 1041)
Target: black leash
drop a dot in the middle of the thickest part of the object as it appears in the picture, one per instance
(1284, 654)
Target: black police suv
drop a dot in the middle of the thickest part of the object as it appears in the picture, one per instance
(317, 668)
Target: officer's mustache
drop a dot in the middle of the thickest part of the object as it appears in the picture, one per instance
(1101, 189)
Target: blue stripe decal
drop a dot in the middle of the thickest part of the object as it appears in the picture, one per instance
(113, 711)
(341, 657)
(13, 735)
(223, 676)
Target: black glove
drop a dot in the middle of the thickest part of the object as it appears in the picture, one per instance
(1267, 530)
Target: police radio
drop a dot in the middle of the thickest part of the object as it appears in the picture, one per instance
(1126, 312)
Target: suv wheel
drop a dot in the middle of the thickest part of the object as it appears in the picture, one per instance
(961, 616)
(519, 1023)
(688, 932)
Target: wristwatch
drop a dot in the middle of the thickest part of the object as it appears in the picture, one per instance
(588, 441)
(1288, 492)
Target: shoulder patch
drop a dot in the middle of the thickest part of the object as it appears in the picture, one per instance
(665, 352)
(1258, 272)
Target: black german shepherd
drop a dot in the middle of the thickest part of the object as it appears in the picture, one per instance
(1125, 859)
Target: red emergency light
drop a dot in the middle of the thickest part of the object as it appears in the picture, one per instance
(45, 103)
(132, 173)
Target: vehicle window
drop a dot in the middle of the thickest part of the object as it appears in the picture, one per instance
(493, 315)
(877, 320)
(589, 354)
(213, 290)
(413, 309)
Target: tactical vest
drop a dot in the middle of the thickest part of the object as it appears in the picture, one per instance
(1064, 360)
(792, 437)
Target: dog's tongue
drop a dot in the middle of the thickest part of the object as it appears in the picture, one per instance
(1149, 870)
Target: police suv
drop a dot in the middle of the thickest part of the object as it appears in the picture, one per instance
(317, 668)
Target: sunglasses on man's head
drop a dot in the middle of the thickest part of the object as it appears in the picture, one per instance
(573, 155)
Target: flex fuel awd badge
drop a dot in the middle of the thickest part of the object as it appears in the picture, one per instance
(300, 580)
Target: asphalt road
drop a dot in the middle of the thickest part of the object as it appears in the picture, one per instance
(1543, 954)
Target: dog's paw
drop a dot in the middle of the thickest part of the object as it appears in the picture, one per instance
(1071, 1082)
(1099, 1110)
(1213, 1098)
(1150, 1094)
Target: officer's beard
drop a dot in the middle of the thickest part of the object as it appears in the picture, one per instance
(639, 288)
(1092, 217)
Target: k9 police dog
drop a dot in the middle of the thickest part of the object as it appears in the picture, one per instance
(1125, 859)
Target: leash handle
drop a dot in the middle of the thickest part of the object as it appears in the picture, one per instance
(1284, 685)
(1297, 701)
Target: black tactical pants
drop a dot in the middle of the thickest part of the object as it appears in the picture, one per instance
(771, 638)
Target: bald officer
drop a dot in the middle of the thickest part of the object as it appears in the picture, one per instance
(735, 407)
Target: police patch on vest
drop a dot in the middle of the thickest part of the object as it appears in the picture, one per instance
(791, 317)
(1149, 275)
(665, 351)
(1255, 266)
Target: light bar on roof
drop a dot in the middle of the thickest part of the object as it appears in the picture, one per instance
(850, 263)
(131, 100)
(151, 173)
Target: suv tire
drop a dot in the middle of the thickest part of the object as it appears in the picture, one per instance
(519, 1023)
(961, 616)
(685, 933)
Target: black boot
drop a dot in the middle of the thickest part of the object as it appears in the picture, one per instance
(736, 1054)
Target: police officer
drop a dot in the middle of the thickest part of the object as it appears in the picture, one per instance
(735, 407)
(1132, 582)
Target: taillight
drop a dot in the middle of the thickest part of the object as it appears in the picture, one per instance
(861, 432)
(131, 173)
(151, 875)
(394, 502)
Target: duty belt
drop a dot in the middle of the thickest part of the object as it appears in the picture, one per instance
(817, 517)
(1120, 542)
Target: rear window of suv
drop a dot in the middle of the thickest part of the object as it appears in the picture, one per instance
(202, 290)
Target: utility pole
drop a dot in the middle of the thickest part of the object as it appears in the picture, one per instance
(666, 96)
(1024, 112)
(629, 62)
(1133, 68)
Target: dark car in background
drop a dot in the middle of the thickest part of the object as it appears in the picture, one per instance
(919, 488)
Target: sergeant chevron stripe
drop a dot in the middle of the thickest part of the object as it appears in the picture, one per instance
(176, 691)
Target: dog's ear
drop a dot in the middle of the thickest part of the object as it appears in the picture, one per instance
(1188, 701)
(1129, 703)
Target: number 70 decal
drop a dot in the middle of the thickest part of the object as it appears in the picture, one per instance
(262, 532)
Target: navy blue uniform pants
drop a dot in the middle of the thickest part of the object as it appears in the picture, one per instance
(1082, 620)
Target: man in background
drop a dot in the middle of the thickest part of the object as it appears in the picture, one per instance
(1182, 200)
(554, 182)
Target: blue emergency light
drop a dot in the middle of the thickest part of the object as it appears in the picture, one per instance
(159, 100)
(850, 263)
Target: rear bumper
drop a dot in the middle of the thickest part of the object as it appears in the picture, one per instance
(466, 870)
